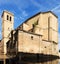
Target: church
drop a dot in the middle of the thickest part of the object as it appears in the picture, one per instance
(37, 35)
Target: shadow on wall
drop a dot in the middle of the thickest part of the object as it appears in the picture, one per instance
(31, 58)
(35, 58)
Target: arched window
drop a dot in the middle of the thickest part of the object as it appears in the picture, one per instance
(10, 18)
(7, 17)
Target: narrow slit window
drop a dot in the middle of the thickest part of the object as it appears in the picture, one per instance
(7, 17)
(10, 18)
(32, 37)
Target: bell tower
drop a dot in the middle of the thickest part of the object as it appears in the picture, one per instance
(7, 27)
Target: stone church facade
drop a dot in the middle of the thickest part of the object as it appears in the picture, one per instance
(38, 34)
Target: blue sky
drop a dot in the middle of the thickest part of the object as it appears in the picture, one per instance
(24, 9)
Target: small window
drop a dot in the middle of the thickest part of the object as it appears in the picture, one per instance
(8, 28)
(10, 18)
(7, 17)
(45, 46)
(32, 37)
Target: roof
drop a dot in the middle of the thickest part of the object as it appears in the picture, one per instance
(38, 14)
(50, 12)
(7, 12)
(41, 13)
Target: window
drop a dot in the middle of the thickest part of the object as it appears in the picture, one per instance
(8, 28)
(32, 37)
(45, 46)
(10, 18)
(7, 17)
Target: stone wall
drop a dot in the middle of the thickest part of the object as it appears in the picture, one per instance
(31, 43)
(49, 26)
(28, 42)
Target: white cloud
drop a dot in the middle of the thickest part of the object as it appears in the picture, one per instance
(56, 8)
(21, 17)
(58, 11)
(36, 3)
(5, 2)
(24, 13)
